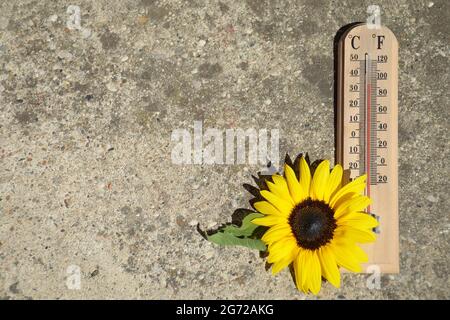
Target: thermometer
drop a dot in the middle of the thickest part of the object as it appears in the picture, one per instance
(367, 85)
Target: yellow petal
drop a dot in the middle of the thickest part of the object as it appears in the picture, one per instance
(320, 179)
(269, 221)
(352, 205)
(315, 279)
(285, 207)
(356, 251)
(281, 249)
(266, 208)
(279, 188)
(333, 182)
(305, 178)
(293, 184)
(306, 271)
(344, 257)
(281, 264)
(344, 198)
(359, 254)
(358, 220)
(277, 232)
(299, 267)
(358, 185)
(355, 235)
(329, 266)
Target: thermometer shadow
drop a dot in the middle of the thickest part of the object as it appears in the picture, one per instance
(336, 39)
(337, 143)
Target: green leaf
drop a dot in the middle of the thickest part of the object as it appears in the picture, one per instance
(246, 229)
(227, 239)
(232, 235)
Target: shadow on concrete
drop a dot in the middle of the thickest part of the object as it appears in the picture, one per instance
(336, 39)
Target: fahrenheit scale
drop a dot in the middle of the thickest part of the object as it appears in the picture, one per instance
(367, 85)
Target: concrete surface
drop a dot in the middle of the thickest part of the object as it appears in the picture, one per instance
(86, 177)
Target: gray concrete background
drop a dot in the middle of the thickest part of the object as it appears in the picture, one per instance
(86, 117)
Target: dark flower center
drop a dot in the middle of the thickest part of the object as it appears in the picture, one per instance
(312, 223)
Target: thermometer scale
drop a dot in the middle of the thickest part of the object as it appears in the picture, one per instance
(367, 85)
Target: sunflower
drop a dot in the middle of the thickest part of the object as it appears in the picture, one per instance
(315, 224)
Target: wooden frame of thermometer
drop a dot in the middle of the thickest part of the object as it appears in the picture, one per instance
(367, 85)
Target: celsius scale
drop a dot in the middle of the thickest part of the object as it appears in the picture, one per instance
(367, 111)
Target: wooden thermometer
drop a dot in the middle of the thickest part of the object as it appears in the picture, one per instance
(367, 110)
